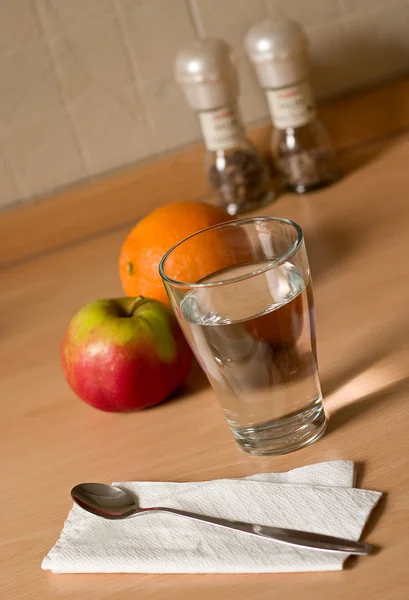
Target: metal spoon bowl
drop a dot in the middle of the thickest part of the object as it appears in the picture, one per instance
(105, 501)
(111, 502)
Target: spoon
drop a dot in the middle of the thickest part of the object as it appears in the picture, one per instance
(112, 502)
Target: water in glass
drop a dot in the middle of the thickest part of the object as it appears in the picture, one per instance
(255, 339)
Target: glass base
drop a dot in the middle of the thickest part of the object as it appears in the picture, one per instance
(284, 435)
(301, 188)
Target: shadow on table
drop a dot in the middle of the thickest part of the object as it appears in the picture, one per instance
(369, 527)
(354, 158)
(373, 379)
(365, 404)
(196, 382)
(385, 347)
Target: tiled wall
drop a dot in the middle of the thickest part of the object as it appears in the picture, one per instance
(86, 85)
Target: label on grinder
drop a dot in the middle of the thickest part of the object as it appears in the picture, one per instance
(291, 106)
(221, 128)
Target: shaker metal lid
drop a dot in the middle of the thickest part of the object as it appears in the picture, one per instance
(210, 59)
(275, 40)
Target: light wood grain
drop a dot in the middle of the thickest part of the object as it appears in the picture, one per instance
(357, 238)
(122, 198)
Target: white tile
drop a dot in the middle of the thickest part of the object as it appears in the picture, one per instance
(307, 12)
(43, 153)
(9, 191)
(156, 30)
(92, 58)
(19, 24)
(252, 98)
(229, 19)
(173, 121)
(113, 129)
(28, 84)
(60, 15)
(361, 5)
(377, 44)
(330, 72)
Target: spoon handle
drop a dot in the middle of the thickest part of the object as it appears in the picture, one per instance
(292, 537)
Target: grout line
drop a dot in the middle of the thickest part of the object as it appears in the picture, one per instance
(137, 78)
(341, 7)
(98, 177)
(196, 19)
(275, 12)
(84, 157)
(72, 27)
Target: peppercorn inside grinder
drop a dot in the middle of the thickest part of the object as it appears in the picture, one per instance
(207, 75)
(300, 144)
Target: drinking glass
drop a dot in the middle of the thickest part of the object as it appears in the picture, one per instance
(243, 296)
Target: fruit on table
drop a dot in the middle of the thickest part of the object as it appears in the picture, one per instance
(125, 354)
(154, 235)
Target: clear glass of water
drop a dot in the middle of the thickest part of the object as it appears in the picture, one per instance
(243, 296)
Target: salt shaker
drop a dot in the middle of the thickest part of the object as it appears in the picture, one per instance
(208, 78)
(300, 143)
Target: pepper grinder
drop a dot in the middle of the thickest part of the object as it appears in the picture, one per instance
(207, 75)
(300, 143)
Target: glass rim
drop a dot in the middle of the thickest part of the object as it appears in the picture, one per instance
(270, 265)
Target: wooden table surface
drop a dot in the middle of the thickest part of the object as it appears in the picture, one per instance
(358, 242)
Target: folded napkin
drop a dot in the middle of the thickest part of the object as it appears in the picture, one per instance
(317, 498)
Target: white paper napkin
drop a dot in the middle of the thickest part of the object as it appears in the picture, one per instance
(318, 498)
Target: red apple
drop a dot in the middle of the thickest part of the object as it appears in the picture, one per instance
(125, 353)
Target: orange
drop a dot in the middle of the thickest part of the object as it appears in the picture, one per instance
(154, 235)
